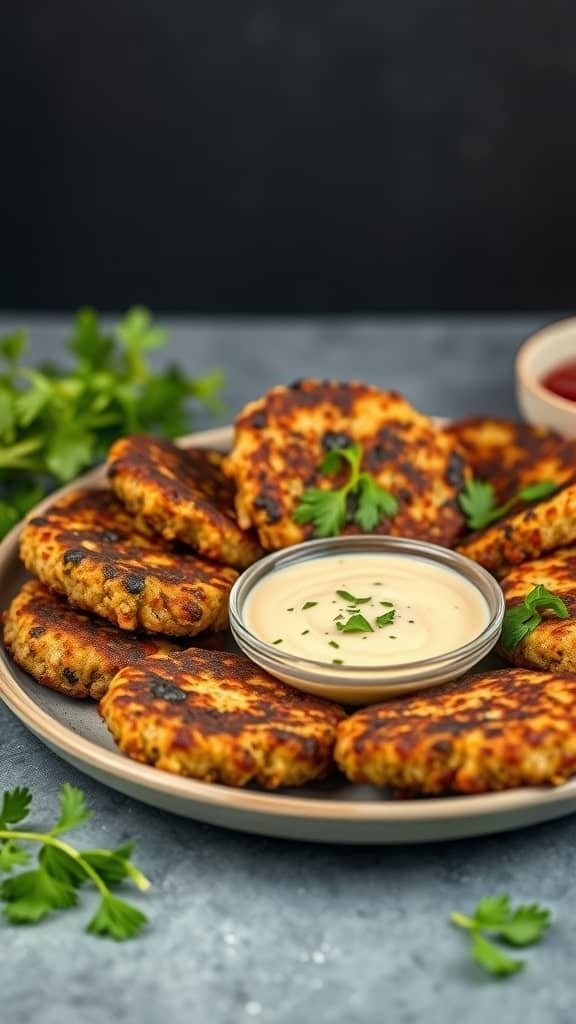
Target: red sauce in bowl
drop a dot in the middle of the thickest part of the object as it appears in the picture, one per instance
(562, 380)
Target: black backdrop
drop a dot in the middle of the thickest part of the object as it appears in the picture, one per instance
(288, 155)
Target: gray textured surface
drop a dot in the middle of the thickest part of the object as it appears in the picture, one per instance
(244, 928)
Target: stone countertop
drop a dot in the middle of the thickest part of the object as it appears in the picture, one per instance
(246, 928)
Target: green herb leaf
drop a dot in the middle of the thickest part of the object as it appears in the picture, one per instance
(117, 920)
(73, 811)
(478, 500)
(526, 925)
(492, 959)
(31, 895)
(327, 510)
(492, 911)
(355, 624)
(347, 596)
(309, 604)
(13, 345)
(522, 619)
(374, 503)
(386, 618)
(15, 806)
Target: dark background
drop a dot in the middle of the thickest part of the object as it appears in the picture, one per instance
(289, 156)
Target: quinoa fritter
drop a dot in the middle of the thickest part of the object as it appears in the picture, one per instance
(525, 535)
(281, 439)
(491, 731)
(217, 717)
(552, 645)
(86, 547)
(512, 455)
(181, 494)
(67, 651)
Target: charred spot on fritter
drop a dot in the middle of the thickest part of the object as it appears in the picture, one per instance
(134, 583)
(73, 556)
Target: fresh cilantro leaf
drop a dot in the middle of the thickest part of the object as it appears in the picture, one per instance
(309, 604)
(355, 624)
(537, 491)
(117, 920)
(522, 619)
(374, 503)
(386, 618)
(347, 596)
(328, 510)
(12, 855)
(136, 332)
(15, 806)
(88, 341)
(492, 959)
(492, 911)
(61, 866)
(73, 811)
(13, 345)
(478, 502)
(31, 895)
(526, 925)
(68, 452)
(325, 509)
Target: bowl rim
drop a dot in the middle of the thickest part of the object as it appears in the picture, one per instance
(528, 379)
(340, 675)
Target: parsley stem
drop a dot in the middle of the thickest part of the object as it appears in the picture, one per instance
(462, 921)
(46, 839)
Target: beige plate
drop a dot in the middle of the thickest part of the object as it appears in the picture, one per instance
(334, 811)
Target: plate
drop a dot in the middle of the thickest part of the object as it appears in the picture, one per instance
(333, 811)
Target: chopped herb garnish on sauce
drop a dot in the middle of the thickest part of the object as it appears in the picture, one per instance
(304, 632)
(524, 618)
(355, 624)
(333, 643)
(386, 618)
(337, 661)
(289, 609)
(280, 641)
(347, 596)
(309, 604)
(387, 604)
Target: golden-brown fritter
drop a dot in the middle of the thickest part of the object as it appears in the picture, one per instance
(86, 547)
(491, 731)
(525, 535)
(552, 645)
(281, 439)
(217, 717)
(511, 455)
(75, 654)
(181, 494)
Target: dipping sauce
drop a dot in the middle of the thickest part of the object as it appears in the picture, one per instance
(562, 380)
(366, 609)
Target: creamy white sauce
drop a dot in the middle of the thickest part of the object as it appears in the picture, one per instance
(435, 609)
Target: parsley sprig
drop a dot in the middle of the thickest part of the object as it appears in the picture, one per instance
(56, 422)
(520, 926)
(523, 619)
(31, 895)
(328, 510)
(478, 500)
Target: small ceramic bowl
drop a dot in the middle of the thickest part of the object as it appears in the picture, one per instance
(365, 684)
(542, 352)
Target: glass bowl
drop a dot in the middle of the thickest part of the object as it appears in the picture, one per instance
(350, 684)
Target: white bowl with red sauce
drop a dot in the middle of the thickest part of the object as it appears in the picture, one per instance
(546, 377)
